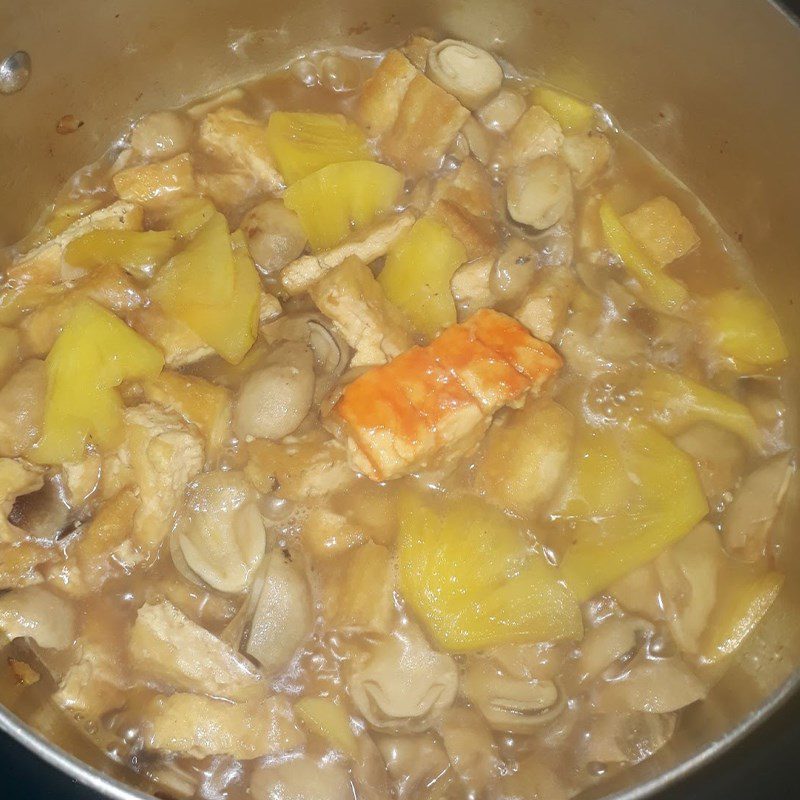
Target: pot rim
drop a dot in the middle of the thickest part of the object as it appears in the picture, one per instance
(109, 787)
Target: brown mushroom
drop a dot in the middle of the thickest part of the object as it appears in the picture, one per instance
(470, 74)
(161, 134)
(274, 235)
(539, 193)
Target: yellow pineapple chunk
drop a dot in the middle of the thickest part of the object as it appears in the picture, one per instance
(417, 273)
(338, 199)
(573, 115)
(743, 329)
(156, 183)
(302, 143)
(468, 572)
(662, 230)
(212, 287)
(187, 215)
(137, 252)
(328, 720)
(93, 355)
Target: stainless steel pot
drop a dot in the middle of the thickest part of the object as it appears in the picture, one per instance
(709, 86)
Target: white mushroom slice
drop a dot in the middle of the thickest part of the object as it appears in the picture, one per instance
(354, 300)
(544, 309)
(39, 614)
(161, 134)
(608, 642)
(748, 520)
(539, 193)
(688, 572)
(470, 74)
(301, 779)
(470, 748)
(514, 270)
(503, 111)
(275, 399)
(535, 135)
(240, 142)
(168, 647)
(369, 244)
(274, 235)
(16, 478)
(656, 687)
(283, 617)
(414, 762)
(470, 286)
(22, 408)
(587, 155)
(220, 531)
(403, 684)
(198, 727)
(160, 455)
(508, 703)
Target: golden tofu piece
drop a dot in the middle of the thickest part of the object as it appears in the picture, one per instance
(156, 183)
(428, 120)
(383, 93)
(662, 230)
(354, 300)
(240, 143)
(469, 186)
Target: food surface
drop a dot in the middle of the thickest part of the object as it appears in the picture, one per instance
(391, 426)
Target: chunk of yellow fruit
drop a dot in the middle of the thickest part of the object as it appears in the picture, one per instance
(745, 595)
(137, 252)
(573, 115)
(213, 287)
(662, 230)
(662, 292)
(743, 329)
(302, 143)
(338, 199)
(16, 301)
(57, 221)
(187, 215)
(328, 720)
(417, 273)
(93, 355)
(631, 493)
(673, 402)
(467, 571)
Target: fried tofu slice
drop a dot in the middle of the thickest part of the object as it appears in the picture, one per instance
(382, 94)
(427, 123)
(369, 323)
(43, 263)
(367, 245)
(157, 183)
(239, 142)
(398, 418)
(196, 726)
(662, 229)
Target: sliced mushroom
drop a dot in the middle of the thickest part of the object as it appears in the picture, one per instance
(301, 778)
(514, 270)
(403, 685)
(220, 532)
(39, 614)
(614, 638)
(470, 748)
(275, 399)
(587, 155)
(510, 703)
(470, 74)
(656, 687)
(161, 134)
(539, 193)
(274, 235)
(747, 521)
(282, 617)
(414, 762)
(503, 111)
